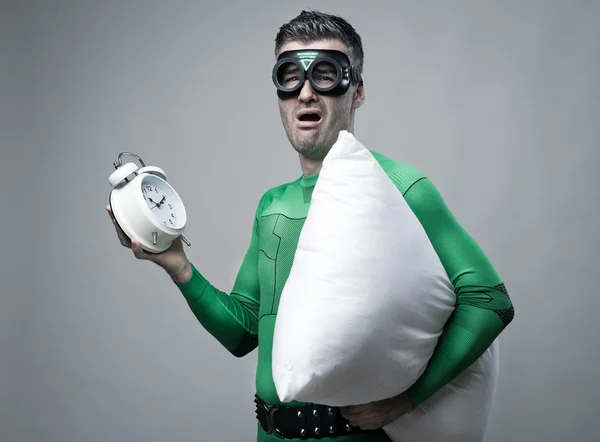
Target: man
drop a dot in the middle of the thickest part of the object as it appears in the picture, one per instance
(313, 51)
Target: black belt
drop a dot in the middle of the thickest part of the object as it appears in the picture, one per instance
(314, 421)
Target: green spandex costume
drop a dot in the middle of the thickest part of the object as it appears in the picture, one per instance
(242, 319)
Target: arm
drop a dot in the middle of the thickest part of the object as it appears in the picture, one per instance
(231, 318)
(483, 307)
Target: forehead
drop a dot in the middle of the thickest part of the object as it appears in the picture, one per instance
(319, 44)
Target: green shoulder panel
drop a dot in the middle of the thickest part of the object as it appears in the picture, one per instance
(403, 175)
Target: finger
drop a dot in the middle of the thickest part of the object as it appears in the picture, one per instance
(138, 252)
(125, 241)
(355, 423)
(351, 411)
(110, 212)
(352, 419)
(123, 238)
(364, 422)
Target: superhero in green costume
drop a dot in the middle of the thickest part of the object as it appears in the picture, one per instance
(244, 319)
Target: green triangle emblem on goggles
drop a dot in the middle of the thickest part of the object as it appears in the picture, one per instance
(306, 58)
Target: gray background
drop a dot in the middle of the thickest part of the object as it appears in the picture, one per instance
(498, 102)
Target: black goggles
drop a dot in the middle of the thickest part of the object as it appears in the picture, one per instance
(329, 72)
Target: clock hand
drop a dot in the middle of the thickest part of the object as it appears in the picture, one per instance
(161, 201)
(155, 205)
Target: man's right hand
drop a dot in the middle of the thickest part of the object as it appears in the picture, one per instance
(173, 260)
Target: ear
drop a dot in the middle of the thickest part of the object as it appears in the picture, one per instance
(358, 97)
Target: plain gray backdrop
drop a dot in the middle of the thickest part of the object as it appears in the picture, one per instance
(497, 102)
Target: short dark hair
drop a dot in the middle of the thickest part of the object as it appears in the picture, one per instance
(310, 26)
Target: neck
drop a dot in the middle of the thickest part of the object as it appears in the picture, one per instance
(310, 166)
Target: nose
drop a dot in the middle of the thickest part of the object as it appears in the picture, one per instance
(307, 93)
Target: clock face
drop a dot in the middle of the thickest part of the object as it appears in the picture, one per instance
(163, 202)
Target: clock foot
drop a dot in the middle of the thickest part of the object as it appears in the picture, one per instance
(185, 240)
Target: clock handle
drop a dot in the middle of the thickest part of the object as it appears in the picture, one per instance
(118, 163)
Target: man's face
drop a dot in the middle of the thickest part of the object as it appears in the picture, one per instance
(311, 138)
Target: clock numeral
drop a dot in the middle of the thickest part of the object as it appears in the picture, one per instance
(170, 206)
(172, 215)
(171, 221)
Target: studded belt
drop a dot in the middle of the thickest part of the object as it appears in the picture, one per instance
(308, 421)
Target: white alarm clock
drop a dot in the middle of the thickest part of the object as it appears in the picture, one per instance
(145, 206)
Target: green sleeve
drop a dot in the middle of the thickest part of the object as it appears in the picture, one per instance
(231, 318)
(483, 307)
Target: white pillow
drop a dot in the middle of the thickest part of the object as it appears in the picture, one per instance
(459, 411)
(367, 296)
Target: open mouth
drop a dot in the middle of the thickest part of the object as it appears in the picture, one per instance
(309, 117)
